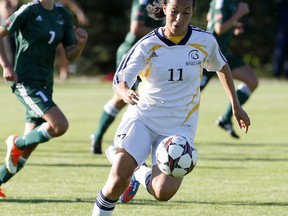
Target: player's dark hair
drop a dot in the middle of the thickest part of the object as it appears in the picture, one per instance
(155, 10)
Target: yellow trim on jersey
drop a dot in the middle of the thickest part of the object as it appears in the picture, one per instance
(152, 52)
(146, 70)
(200, 47)
(196, 107)
(155, 48)
(176, 39)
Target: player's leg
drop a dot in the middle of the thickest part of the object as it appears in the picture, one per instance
(39, 103)
(111, 108)
(206, 77)
(55, 126)
(110, 111)
(132, 146)
(249, 83)
(158, 184)
(5, 175)
(118, 180)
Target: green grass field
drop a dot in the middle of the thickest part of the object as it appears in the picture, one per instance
(233, 177)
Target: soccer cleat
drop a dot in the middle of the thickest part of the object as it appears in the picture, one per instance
(227, 126)
(95, 145)
(2, 193)
(12, 155)
(130, 191)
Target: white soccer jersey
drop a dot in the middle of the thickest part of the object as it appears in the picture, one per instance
(171, 75)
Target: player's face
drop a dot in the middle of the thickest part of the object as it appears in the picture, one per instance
(178, 15)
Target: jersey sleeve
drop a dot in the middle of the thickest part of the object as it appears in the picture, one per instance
(130, 67)
(215, 59)
(138, 11)
(69, 36)
(219, 11)
(17, 19)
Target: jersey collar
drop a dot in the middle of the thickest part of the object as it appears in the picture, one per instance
(159, 34)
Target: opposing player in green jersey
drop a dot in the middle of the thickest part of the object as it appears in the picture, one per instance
(39, 27)
(223, 21)
(140, 25)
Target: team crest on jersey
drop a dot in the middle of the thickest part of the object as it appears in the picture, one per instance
(60, 20)
(193, 55)
(39, 18)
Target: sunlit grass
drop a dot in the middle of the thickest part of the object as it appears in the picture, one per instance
(232, 177)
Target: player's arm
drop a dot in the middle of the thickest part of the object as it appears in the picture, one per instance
(8, 72)
(138, 19)
(222, 27)
(138, 27)
(226, 79)
(128, 95)
(74, 51)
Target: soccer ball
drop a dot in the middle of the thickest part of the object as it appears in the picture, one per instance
(175, 157)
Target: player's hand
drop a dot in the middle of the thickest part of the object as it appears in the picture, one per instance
(10, 75)
(243, 9)
(242, 119)
(81, 35)
(131, 97)
(238, 29)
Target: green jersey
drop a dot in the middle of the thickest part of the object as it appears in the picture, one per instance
(138, 12)
(220, 11)
(38, 32)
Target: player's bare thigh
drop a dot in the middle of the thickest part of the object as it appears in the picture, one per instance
(246, 75)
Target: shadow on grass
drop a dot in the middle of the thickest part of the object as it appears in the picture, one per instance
(223, 203)
(35, 200)
(148, 202)
(245, 159)
(241, 144)
(69, 165)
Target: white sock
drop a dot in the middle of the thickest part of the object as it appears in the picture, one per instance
(244, 88)
(99, 212)
(111, 109)
(43, 129)
(103, 206)
(143, 175)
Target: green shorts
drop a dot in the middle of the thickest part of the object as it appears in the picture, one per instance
(37, 101)
(234, 62)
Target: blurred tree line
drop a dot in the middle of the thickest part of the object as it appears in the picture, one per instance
(109, 23)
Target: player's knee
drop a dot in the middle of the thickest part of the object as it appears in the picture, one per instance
(162, 193)
(119, 184)
(163, 196)
(60, 128)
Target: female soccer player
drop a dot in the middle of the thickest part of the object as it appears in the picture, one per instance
(39, 26)
(223, 21)
(169, 61)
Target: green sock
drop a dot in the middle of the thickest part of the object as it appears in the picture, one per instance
(242, 97)
(4, 173)
(36, 136)
(105, 121)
